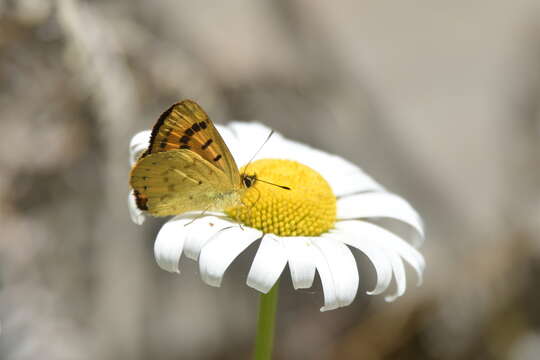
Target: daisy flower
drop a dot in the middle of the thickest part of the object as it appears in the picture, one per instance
(314, 227)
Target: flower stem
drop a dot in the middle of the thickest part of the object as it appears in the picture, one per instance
(265, 327)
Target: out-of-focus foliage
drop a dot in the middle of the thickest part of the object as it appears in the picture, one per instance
(437, 100)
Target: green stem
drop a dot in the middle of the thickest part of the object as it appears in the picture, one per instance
(267, 320)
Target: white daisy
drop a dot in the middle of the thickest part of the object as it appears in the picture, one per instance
(352, 197)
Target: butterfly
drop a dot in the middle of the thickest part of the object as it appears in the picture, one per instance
(187, 166)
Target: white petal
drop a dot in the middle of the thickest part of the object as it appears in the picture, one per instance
(138, 144)
(378, 237)
(346, 178)
(379, 204)
(236, 148)
(137, 215)
(222, 249)
(366, 244)
(201, 230)
(170, 243)
(268, 263)
(343, 176)
(399, 273)
(386, 239)
(252, 136)
(300, 254)
(337, 269)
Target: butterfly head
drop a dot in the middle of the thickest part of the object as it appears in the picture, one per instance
(248, 180)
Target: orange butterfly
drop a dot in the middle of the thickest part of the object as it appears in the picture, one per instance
(187, 166)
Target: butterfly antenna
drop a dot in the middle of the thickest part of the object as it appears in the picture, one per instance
(280, 186)
(258, 151)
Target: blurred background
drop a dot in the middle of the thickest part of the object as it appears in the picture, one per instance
(438, 100)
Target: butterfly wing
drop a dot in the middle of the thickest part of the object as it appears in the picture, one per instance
(185, 125)
(179, 180)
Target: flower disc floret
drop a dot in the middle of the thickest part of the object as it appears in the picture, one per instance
(308, 208)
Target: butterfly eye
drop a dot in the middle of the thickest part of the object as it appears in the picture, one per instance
(248, 181)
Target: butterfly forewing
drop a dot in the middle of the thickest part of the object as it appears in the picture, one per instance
(186, 125)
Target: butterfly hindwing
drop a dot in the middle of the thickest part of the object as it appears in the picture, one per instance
(178, 180)
(185, 125)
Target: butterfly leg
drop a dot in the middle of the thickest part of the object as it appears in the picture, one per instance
(249, 207)
(198, 216)
(237, 223)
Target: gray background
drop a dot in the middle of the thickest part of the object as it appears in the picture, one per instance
(438, 100)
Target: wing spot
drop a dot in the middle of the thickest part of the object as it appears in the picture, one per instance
(207, 144)
(200, 182)
(157, 128)
(184, 139)
(196, 127)
(145, 187)
(217, 157)
(189, 132)
(163, 144)
(202, 124)
(141, 201)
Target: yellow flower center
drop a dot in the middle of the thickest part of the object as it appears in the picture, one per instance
(307, 209)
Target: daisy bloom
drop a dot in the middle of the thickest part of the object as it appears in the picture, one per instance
(313, 227)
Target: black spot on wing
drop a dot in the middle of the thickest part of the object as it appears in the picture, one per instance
(141, 201)
(217, 157)
(184, 139)
(196, 127)
(207, 144)
(156, 128)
